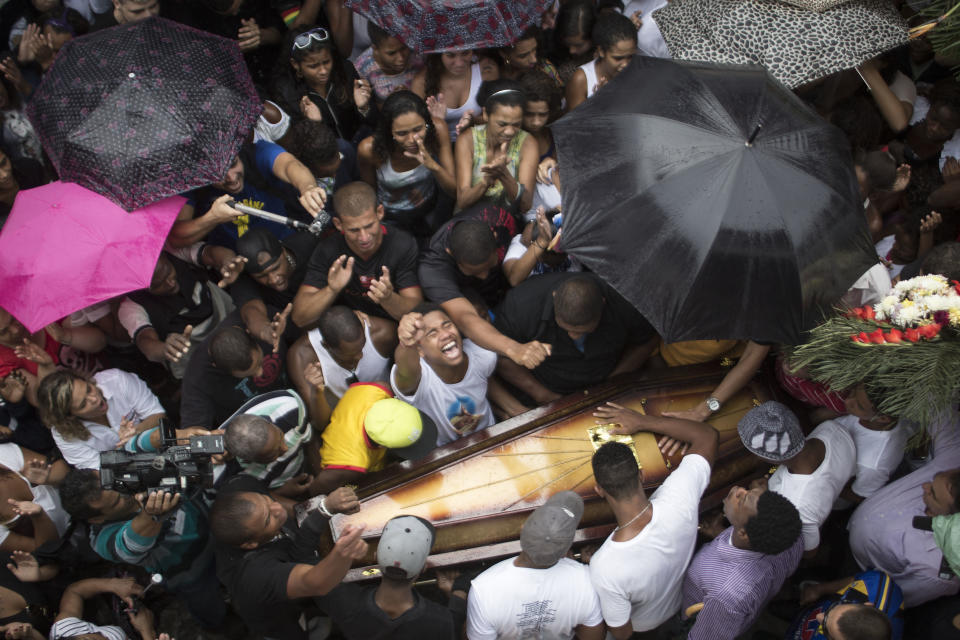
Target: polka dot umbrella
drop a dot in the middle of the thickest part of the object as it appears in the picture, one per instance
(446, 25)
(146, 110)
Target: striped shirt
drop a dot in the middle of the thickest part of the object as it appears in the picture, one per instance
(287, 411)
(71, 627)
(180, 547)
(734, 585)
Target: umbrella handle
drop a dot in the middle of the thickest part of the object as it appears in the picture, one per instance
(314, 228)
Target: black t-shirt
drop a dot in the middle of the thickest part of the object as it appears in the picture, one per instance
(257, 579)
(398, 253)
(210, 396)
(527, 314)
(191, 305)
(301, 246)
(439, 276)
(353, 609)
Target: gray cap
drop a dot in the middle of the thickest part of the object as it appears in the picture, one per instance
(404, 546)
(771, 432)
(547, 534)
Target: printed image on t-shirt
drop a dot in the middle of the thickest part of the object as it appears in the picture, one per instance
(462, 415)
(535, 617)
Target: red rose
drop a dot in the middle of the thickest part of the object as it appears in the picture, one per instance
(876, 336)
(912, 335)
(863, 337)
(895, 335)
(869, 313)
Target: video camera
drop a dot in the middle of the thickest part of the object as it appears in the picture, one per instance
(177, 468)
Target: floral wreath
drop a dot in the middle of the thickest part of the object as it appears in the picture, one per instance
(904, 349)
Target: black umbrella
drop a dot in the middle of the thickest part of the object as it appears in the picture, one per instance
(145, 110)
(713, 199)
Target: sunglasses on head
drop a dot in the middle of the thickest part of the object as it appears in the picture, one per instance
(304, 40)
(822, 629)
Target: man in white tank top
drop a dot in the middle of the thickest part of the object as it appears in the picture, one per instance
(441, 374)
(346, 347)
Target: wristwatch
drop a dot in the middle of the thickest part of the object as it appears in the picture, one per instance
(713, 404)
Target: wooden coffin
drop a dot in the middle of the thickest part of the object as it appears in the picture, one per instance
(479, 490)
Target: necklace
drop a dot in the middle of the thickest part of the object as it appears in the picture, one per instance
(634, 518)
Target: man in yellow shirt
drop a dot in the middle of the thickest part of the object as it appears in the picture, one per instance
(367, 422)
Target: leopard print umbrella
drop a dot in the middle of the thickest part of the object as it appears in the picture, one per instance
(795, 45)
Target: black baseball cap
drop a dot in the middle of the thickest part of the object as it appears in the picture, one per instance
(261, 249)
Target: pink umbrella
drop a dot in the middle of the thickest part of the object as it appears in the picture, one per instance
(64, 248)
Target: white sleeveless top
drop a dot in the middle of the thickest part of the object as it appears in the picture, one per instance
(590, 70)
(454, 114)
(371, 368)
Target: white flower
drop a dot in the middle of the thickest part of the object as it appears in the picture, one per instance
(907, 316)
(941, 302)
(921, 285)
(884, 308)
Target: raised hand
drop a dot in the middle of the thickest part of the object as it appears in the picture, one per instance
(13, 387)
(29, 350)
(248, 35)
(125, 432)
(437, 106)
(423, 156)
(338, 277)
(411, 329)
(37, 471)
(903, 178)
(381, 288)
(25, 507)
(231, 271)
(313, 374)
(361, 94)
(466, 121)
(951, 169)
(930, 222)
(279, 325)
(544, 230)
(177, 344)
(544, 169)
(25, 566)
(30, 43)
(310, 110)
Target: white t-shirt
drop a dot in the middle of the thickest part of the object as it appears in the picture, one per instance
(639, 580)
(11, 457)
(127, 397)
(508, 602)
(814, 494)
(457, 409)
(878, 453)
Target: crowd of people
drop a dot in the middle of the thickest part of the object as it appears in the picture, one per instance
(430, 300)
